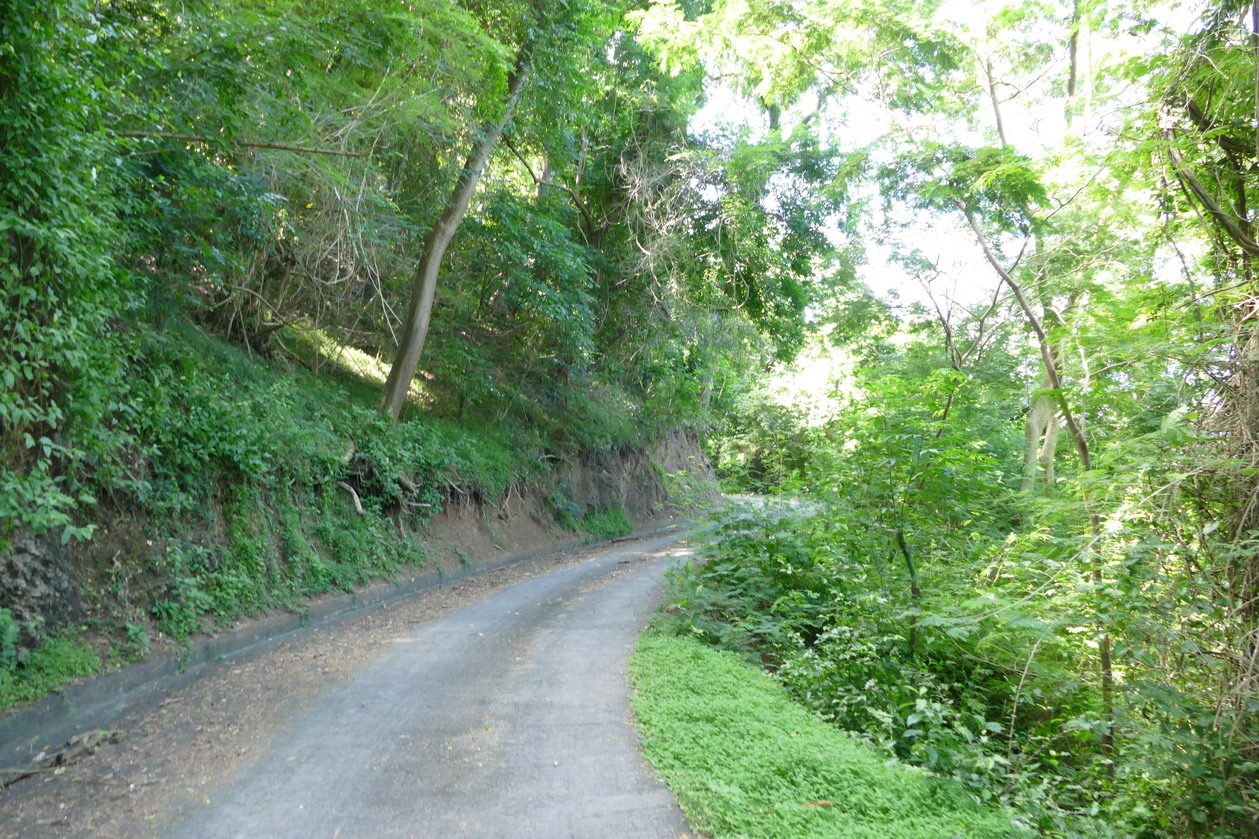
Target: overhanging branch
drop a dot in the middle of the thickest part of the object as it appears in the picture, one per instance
(1225, 219)
(193, 138)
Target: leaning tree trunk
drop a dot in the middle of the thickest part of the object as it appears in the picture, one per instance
(424, 287)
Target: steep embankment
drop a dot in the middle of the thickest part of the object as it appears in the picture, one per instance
(47, 585)
(593, 495)
(258, 487)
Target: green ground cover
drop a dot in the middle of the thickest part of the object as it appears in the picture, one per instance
(746, 761)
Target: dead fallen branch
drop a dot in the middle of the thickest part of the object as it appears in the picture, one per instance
(76, 748)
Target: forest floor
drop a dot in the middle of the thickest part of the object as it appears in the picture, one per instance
(181, 749)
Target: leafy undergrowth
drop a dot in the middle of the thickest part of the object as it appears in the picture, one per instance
(226, 485)
(229, 484)
(612, 523)
(746, 761)
(25, 676)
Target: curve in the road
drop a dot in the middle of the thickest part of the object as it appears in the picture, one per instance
(508, 719)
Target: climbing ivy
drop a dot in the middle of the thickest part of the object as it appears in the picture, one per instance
(59, 286)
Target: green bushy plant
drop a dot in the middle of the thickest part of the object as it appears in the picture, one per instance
(689, 492)
(745, 760)
(9, 632)
(565, 510)
(603, 525)
(311, 574)
(59, 288)
(821, 602)
(46, 669)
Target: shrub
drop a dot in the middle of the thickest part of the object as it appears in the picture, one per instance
(603, 525)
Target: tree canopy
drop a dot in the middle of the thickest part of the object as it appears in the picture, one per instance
(975, 277)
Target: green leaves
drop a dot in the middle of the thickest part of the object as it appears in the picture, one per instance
(998, 185)
(777, 53)
(59, 289)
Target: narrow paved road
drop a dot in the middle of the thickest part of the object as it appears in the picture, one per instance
(506, 719)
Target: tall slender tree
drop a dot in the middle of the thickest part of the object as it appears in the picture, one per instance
(424, 285)
(427, 270)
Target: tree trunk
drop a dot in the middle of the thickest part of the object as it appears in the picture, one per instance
(1048, 450)
(996, 102)
(1079, 102)
(1040, 419)
(1105, 667)
(1073, 51)
(1040, 438)
(424, 287)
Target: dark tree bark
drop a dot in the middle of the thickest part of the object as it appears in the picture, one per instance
(1073, 50)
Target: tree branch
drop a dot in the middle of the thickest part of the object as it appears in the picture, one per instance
(572, 193)
(1225, 219)
(1046, 354)
(193, 138)
(1105, 663)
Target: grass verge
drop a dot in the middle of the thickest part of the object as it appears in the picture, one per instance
(745, 761)
(48, 667)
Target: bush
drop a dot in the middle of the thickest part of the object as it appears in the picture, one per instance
(59, 288)
(44, 669)
(603, 525)
(809, 597)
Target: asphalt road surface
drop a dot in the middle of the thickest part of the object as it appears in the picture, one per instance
(509, 719)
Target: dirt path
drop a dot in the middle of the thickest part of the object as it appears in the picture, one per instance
(495, 707)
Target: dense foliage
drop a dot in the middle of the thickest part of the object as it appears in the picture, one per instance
(266, 171)
(1023, 550)
(186, 182)
(1026, 550)
(744, 760)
